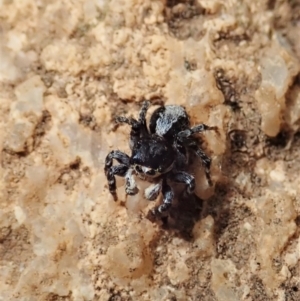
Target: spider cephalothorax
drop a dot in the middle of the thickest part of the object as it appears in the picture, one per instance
(159, 155)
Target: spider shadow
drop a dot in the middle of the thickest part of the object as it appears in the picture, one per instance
(219, 207)
(190, 209)
(185, 215)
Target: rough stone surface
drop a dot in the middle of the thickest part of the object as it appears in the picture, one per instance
(68, 68)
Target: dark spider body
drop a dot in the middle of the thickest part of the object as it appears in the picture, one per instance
(159, 155)
(154, 153)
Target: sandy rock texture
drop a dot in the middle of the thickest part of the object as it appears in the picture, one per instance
(68, 68)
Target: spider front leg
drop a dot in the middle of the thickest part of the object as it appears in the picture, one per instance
(117, 155)
(185, 178)
(130, 186)
(118, 170)
(152, 192)
(168, 196)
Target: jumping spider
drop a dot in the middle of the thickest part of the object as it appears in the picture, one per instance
(160, 154)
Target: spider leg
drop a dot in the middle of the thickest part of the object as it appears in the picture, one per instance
(206, 161)
(118, 170)
(138, 127)
(196, 129)
(143, 112)
(184, 136)
(142, 118)
(117, 155)
(152, 192)
(130, 186)
(168, 196)
(129, 120)
(187, 179)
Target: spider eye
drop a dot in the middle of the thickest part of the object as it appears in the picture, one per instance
(139, 169)
(151, 172)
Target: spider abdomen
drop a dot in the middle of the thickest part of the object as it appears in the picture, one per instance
(168, 121)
